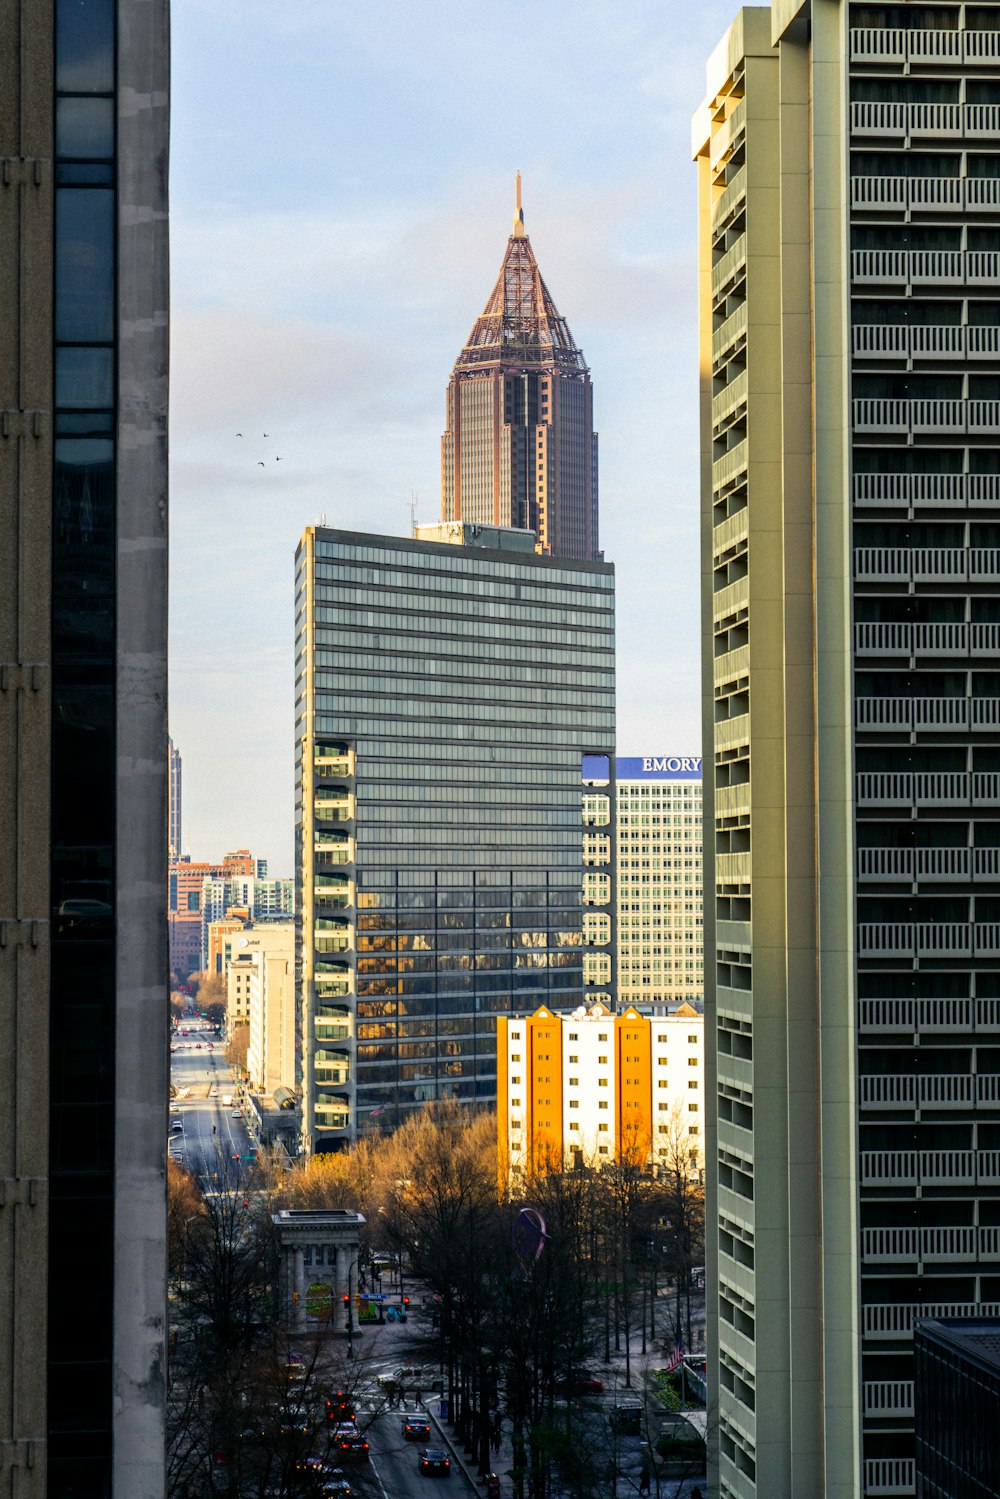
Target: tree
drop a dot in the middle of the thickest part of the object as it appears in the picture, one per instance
(681, 1235)
(237, 1044)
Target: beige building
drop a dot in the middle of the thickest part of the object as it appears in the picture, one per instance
(850, 406)
(270, 1006)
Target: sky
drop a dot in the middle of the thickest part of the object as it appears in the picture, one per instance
(342, 186)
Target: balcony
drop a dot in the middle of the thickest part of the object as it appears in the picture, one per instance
(727, 133)
(885, 564)
(877, 45)
(923, 267)
(907, 714)
(888, 1398)
(934, 341)
(730, 335)
(890, 491)
(944, 1168)
(930, 1017)
(731, 200)
(730, 466)
(728, 271)
(929, 939)
(729, 401)
(730, 531)
(732, 800)
(889, 1476)
(893, 1321)
(934, 865)
(933, 1090)
(925, 416)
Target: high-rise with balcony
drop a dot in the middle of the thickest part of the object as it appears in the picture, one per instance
(448, 687)
(849, 168)
(83, 747)
(519, 447)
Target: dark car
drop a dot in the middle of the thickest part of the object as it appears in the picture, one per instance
(580, 1382)
(416, 1428)
(436, 1461)
(626, 1418)
(348, 1443)
(339, 1407)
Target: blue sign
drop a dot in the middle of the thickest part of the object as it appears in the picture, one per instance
(658, 768)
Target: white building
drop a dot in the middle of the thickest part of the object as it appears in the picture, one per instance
(659, 881)
(261, 994)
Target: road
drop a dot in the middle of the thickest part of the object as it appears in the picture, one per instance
(395, 1460)
(210, 1139)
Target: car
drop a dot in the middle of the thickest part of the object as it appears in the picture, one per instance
(339, 1408)
(436, 1461)
(336, 1486)
(236, 1114)
(349, 1442)
(416, 1429)
(175, 1126)
(580, 1382)
(312, 1463)
(626, 1418)
(198, 1046)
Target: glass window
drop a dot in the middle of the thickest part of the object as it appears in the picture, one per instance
(84, 377)
(85, 227)
(85, 46)
(85, 128)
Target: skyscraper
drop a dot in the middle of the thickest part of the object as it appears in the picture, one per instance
(447, 690)
(519, 447)
(850, 343)
(83, 747)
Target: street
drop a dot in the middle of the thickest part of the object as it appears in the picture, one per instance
(211, 1139)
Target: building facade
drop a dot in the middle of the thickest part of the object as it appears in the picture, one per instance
(519, 447)
(957, 1407)
(591, 1087)
(850, 343)
(261, 899)
(174, 802)
(185, 906)
(659, 910)
(447, 690)
(83, 747)
(269, 953)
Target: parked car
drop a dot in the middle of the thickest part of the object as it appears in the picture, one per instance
(435, 1460)
(626, 1418)
(416, 1429)
(580, 1382)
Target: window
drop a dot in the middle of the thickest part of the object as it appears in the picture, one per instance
(693, 1040)
(661, 1061)
(692, 1085)
(692, 1108)
(515, 1103)
(515, 1056)
(603, 1104)
(693, 1130)
(603, 1128)
(574, 1104)
(574, 1126)
(692, 1061)
(574, 1059)
(574, 1082)
(602, 1082)
(602, 1061)
(663, 1083)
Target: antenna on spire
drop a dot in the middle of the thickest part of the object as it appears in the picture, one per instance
(518, 210)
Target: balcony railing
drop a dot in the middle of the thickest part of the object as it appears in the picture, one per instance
(893, 1321)
(953, 491)
(896, 714)
(924, 267)
(730, 269)
(731, 200)
(947, 638)
(928, 788)
(730, 399)
(935, 865)
(935, 341)
(900, 1168)
(888, 1398)
(729, 334)
(887, 1477)
(929, 939)
(925, 416)
(930, 1090)
(730, 466)
(929, 1016)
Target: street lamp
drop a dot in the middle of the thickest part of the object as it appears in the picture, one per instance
(349, 1303)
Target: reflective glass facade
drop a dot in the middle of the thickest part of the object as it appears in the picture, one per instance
(445, 696)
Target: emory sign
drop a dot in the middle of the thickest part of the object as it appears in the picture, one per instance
(673, 763)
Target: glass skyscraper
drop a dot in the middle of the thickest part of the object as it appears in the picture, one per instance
(446, 692)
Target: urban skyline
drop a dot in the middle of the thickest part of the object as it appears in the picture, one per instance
(333, 303)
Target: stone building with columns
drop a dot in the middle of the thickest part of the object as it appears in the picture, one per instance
(317, 1254)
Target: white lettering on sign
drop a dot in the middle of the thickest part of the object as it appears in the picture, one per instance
(675, 763)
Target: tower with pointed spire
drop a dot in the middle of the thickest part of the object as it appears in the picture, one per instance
(519, 447)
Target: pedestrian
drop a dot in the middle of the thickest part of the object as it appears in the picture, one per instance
(696, 1492)
(644, 1481)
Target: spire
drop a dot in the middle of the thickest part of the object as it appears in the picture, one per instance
(520, 323)
(518, 210)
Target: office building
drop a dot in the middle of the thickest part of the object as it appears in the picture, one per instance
(957, 1407)
(659, 916)
(267, 953)
(448, 687)
(591, 1087)
(174, 802)
(261, 899)
(850, 350)
(83, 748)
(600, 883)
(519, 447)
(185, 902)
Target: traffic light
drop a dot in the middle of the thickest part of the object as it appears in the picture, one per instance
(347, 1299)
(295, 1298)
(246, 1202)
(406, 1300)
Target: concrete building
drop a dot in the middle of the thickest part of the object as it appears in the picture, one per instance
(448, 687)
(270, 955)
(174, 802)
(83, 747)
(659, 914)
(600, 884)
(850, 347)
(185, 902)
(318, 1252)
(592, 1087)
(519, 447)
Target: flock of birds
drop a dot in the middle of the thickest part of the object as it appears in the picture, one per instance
(260, 461)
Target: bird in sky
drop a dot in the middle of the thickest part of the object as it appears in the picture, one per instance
(267, 434)
(261, 464)
(239, 434)
(277, 460)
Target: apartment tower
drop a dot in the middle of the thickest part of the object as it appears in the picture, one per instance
(849, 168)
(83, 747)
(448, 687)
(519, 447)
